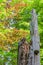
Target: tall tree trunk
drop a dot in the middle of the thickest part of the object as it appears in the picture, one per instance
(35, 39)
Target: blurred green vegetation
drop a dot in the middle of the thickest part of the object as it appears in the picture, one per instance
(21, 22)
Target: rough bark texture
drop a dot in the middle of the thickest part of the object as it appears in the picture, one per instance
(23, 52)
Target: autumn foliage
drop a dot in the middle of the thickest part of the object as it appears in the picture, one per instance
(12, 35)
(9, 38)
(11, 11)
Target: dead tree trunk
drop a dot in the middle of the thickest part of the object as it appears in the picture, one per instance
(23, 52)
(30, 56)
(35, 40)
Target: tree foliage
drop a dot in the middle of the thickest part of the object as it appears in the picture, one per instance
(15, 16)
